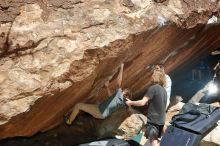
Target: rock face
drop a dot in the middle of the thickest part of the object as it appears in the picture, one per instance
(57, 53)
(124, 124)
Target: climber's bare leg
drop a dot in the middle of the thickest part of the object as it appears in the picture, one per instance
(92, 109)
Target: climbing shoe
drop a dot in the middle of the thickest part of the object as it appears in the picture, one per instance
(67, 120)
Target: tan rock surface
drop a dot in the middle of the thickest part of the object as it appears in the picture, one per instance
(57, 53)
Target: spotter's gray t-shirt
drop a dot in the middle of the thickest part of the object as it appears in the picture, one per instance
(111, 104)
(157, 104)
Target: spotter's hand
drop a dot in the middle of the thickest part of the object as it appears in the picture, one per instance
(128, 101)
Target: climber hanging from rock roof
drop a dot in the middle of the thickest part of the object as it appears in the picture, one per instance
(108, 106)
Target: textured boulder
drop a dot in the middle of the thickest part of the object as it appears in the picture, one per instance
(57, 53)
(124, 124)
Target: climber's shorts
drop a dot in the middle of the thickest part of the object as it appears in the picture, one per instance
(153, 131)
